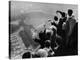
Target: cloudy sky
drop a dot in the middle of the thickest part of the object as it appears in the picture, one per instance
(36, 13)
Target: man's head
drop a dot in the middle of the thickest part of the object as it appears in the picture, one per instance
(70, 12)
(26, 55)
(55, 18)
(42, 53)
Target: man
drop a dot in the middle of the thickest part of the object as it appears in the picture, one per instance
(70, 23)
(48, 48)
(60, 31)
(71, 20)
(63, 18)
(46, 51)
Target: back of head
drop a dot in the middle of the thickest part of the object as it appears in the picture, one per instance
(70, 12)
(63, 14)
(26, 55)
(42, 53)
(55, 18)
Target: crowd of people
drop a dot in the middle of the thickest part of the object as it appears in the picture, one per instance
(58, 39)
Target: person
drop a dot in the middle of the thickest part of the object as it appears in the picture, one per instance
(46, 51)
(53, 39)
(46, 35)
(42, 36)
(54, 34)
(63, 18)
(38, 37)
(60, 31)
(71, 20)
(48, 48)
(70, 23)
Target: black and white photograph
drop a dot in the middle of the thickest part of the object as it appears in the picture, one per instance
(40, 30)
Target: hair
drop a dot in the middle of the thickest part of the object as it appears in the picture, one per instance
(63, 14)
(55, 18)
(42, 53)
(26, 55)
(70, 12)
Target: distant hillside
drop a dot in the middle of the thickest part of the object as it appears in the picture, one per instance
(13, 28)
(25, 34)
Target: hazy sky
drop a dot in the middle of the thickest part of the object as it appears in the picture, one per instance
(36, 13)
